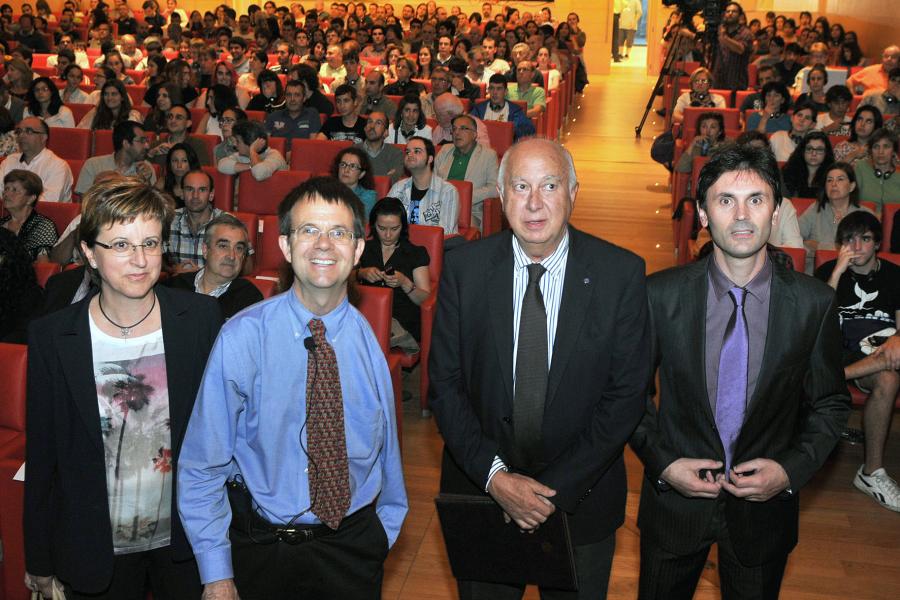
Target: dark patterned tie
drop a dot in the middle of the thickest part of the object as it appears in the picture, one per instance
(731, 393)
(329, 475)
(531, 369)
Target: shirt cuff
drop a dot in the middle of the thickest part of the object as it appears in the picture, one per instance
(497, 466)
(215, 565)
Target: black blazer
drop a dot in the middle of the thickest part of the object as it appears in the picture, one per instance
(67, 525)
(597, 378)
(240, 294)
(61, 288)
(795, 416)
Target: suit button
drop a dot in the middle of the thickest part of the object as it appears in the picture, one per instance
(507, 420)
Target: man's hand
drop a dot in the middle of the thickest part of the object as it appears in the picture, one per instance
(890, 352)
(522, 498)
(184, 267)
(684, 476)
(220, 590)
(756, 480)
(40, 584)
(258, 145)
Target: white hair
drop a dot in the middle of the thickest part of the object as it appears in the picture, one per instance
(561, 153)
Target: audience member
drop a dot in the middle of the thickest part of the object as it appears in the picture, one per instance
(129, 155)
(16, 273)
(791, 65)
(409, 121)
(888, 100)
(446, 108)
(375, 100)
(296, 120)
(866, 121)
(876, 77)
(772, 115)
(32, 136)
(178, 126)
(390, 260)
(838, 198)
(698, 95)
(385, 158)
(709, 136)
(347, 124)
(735, 46)
(113, 108)
(804, 172)
(783, 142)
(43, 101)
(36, 233)
(816, 79)
(427, 198)
(183, 248)
(526, 90)
(468, 160)
(497, 108)
(352, 168)
(179, 160)
(404, 84)
(271, 93)
(867, 297)
(225, 246)
(252, 153)
(835, 121)
(874, 174)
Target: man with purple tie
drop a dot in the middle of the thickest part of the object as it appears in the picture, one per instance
(751, 395)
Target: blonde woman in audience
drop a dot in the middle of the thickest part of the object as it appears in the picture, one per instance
(43, 101)
(72, 93)
(18, 77)
(698, 95)
(114, 108)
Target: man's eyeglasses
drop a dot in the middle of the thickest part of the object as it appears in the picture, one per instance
(454, 128)
(125, 248)
(311, 234)
(28, 130)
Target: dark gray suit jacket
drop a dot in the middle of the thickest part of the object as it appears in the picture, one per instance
(795, 416)
(597, 378)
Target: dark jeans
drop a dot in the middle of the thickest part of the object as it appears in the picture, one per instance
(665, 576)
(592, 565)
(347, 564)
(167, 579)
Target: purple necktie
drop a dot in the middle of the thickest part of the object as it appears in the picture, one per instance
(731, 396)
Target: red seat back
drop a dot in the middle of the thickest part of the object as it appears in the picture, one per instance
(315, 156)
(798, 257)
(263, 197)
(432, 239)
(266, 287)
(268, 258)
(382, 186)
(251, 222)
(731, 116)
(501, 135)
(69, 142)
(61, 213)
(802, 204)
(464, 190)
(79, 110)
(13, 371)
(45, 270)
(223, 196)
(376, 304)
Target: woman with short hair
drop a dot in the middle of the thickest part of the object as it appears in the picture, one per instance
(37, 233)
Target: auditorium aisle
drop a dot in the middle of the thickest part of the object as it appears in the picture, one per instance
(848, 545)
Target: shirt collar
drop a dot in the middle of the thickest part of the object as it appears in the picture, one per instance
(458, 154)
(333, 320)
(216, 292)
(758, 287)
(552, 263)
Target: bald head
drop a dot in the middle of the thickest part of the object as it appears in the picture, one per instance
(552, 151)
(890, 58)
(447, 106)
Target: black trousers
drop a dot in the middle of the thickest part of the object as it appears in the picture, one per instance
(666, 576)
(345, 565)
(615, 36)
(592, 565)
(134, 574)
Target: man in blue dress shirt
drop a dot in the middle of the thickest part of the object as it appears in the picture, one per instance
(299, 516)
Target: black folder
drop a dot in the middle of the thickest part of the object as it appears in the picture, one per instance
(483, 547)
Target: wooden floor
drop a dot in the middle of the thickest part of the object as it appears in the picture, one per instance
(849, 547)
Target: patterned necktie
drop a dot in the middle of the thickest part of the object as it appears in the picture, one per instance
(731, 396)
(531, 369)
(329, 474)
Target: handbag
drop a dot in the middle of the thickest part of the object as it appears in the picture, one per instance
(58, 592)
(663, 149)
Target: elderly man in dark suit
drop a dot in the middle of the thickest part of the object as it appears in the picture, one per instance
(752, 396)
(538, 368)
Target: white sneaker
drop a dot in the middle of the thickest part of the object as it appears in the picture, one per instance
(879, 486)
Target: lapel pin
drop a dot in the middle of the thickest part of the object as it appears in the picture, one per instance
(587, 280)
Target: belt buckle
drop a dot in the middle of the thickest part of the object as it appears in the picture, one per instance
(294, 536)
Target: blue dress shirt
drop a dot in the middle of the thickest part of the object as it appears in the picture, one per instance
(249, 419)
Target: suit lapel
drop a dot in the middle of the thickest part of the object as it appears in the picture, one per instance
(77, 360)
(578, 287)
(781, 296)
(499, 286)
(693, 331)
(180, 358)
